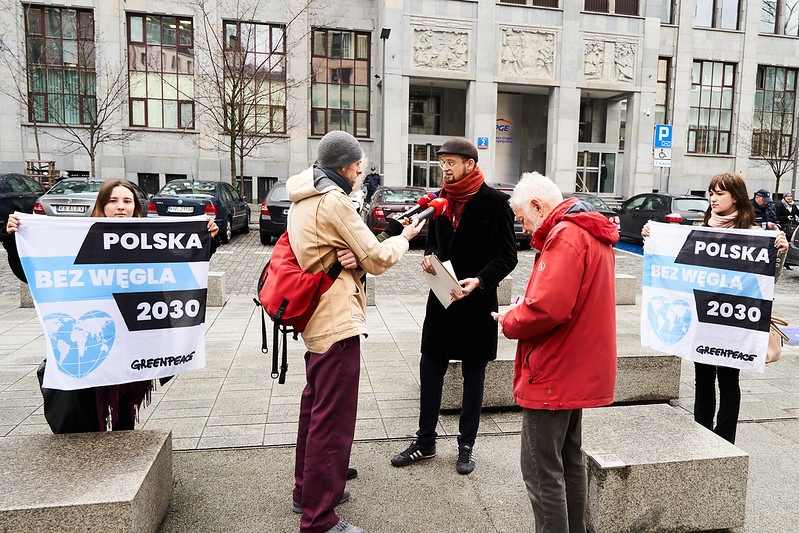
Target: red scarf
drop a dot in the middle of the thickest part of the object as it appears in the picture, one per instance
(460, 192)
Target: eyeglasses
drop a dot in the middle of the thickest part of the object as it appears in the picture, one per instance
(449, 164)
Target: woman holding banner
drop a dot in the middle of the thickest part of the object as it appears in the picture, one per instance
(729, 208)
(113, 407)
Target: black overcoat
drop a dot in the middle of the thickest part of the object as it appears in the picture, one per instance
(483, 246)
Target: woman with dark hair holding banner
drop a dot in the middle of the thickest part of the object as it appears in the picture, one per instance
(729, 208)
(113, 407)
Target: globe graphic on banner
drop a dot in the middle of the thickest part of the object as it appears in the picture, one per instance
(670, 320)
(80, 345)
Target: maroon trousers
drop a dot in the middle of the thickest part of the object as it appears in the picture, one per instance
(327, 426)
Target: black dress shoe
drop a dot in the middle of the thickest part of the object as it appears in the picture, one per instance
(351, 473)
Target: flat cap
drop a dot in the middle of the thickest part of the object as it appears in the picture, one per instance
(459, 146)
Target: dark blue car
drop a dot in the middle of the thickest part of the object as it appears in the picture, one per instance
(214, 198)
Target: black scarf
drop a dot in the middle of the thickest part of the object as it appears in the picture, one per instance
(336, 178)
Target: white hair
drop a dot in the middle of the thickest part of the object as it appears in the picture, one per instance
(533, 185)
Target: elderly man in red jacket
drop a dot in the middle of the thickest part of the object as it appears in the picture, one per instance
(566, 356)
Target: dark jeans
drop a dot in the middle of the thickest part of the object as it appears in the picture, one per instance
(328, 409)
(553, 469)
(431, 375)
(729, 399)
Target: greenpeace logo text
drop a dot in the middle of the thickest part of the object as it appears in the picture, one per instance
(155, 362)
(725, 352)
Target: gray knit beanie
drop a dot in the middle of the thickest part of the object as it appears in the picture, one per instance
(338, 149)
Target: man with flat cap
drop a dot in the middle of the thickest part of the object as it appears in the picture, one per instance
(476, 235)
(323, 227)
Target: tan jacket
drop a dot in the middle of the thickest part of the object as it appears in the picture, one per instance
(321, 220)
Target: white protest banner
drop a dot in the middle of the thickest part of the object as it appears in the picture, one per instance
(707, 293)
(119, 299)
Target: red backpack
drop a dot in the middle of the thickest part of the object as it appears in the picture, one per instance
(289, 295)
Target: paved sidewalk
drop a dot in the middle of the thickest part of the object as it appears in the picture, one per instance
(233, 427)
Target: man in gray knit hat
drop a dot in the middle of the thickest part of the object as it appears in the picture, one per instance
(323, 226)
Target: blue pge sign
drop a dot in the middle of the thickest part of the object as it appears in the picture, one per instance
(662, 136)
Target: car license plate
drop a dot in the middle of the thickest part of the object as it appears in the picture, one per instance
(70, 208)
(179, 209)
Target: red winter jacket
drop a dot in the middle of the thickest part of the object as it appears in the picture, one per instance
(566, 326)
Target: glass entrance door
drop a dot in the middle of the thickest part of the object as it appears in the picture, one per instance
(423, 169)
(596, 172)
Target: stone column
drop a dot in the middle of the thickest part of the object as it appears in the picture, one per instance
(562, 128)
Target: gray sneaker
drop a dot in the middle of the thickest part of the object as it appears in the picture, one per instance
(343, 527)
(344, 499)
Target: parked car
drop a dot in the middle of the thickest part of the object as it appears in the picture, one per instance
(75, 197)
(17, 193)
(391, 200)
(274, 209)
(641, 208)
(214, 198)
(597, 203)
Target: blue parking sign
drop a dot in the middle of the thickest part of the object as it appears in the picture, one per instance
(662, 136)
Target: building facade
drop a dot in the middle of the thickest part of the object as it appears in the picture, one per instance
(152, 90)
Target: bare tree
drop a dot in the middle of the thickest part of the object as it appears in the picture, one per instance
(771, 139)
(243, 84)
(13, 59)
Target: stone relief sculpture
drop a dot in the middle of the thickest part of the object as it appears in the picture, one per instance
(625, 62)
(441, 49)
(609, 59)
(594, 60)
(527, 53)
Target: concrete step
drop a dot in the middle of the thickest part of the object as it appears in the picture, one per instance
(109, 482)
(651, 468)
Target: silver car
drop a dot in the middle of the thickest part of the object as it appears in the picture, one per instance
(75, 197)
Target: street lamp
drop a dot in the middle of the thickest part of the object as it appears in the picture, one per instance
(384, 33)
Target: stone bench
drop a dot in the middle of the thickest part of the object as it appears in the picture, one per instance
(217, 295)
(107, 482)
(652, 468)
(643, 375)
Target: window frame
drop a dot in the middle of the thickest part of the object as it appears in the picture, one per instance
(785, 148)
(706, 91)
(152, 73)
(275, 55)
(84, 95)
(361, 58)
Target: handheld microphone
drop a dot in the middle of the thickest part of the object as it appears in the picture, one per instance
(437, 207)
(420, 204)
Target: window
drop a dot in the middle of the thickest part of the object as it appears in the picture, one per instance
(710, 111)
(772, 123)
(161, 71)
(255, 75)
(60, 64)
(780, 16)
(424, 114)
(340, 82)
(662, 91)
(536, 3)
(717, 14)
(619, 7)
